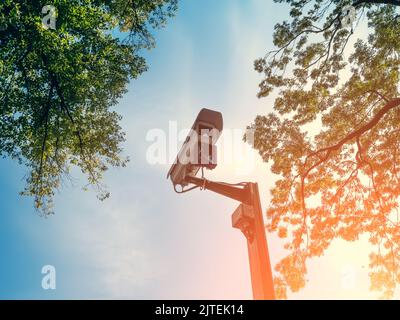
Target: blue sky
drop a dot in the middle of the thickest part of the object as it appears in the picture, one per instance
(146, 241)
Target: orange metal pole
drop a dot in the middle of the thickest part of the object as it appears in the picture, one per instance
(249, 219)
(260, 265)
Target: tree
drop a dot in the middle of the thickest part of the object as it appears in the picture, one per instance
(342, 181)
(58, 85)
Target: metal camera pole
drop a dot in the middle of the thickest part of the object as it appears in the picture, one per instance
(248, 215)
(249, 219)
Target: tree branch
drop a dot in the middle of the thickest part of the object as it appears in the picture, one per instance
(44, 118)
(357, 133)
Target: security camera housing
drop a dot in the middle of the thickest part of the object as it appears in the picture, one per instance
(199, 149)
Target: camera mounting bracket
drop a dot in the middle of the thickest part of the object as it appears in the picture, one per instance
(240, 192)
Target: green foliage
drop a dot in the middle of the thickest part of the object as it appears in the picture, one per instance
(342, 181)
(58, 86)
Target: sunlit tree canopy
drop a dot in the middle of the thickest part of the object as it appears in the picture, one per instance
(332, 135)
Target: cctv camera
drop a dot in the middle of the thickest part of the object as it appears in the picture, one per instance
(199, 149)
